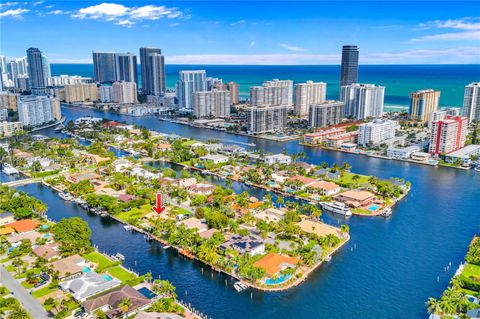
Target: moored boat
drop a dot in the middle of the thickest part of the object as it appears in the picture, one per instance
(387, 212)
(239, 286)
(9, 169)
(337, 207)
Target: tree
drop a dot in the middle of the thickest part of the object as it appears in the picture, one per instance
(19, 313)
(125, 304)
(73, 234)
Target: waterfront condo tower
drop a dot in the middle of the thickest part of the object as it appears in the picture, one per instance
(188, 83)
(153, 71)
(126, 67)
(349, 67)
(307, 94)
(325, 114)
(233, 88)
(104, 66)
(37, 71)
(214, 103)
(422, 104)
(471, 102)
(448, 135)
(362, 100)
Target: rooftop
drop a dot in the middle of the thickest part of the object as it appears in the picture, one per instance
(24, 225)
(273, 263)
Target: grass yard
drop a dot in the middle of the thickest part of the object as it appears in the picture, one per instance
(189, 143)
(44, 291)
(471, 270)
(361, 211)
(135, 212)
(178, 210)
(99, 259)
(120, 273)
(348, 179)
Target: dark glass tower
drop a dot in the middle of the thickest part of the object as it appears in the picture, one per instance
(153, 71)
(38, 79)
(126, 64)
(104, 66)
(349, 68)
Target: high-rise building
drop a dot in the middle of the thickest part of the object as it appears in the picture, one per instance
(326, 113)
(9, 100)
(61, 80)
(81, 92)
(153, 71)
(188, 83)
(124, 92)
(23, 83)
(471, 102)
(448, 135)
(377, 131)
(266, 119)
(3, 64)
(126, 67)
(272, 93)
(106, 93)
(307, 94)
(441, 114)
(9, 128)
(36, 69)
(46, 67)
(37, 110)
(211, 103)
(362, 100)
(349, 67)
(104, 66)
(422, 104)
(233, 88)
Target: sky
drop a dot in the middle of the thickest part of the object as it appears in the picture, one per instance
(246, 32)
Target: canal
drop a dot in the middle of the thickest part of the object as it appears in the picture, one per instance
(388, 269)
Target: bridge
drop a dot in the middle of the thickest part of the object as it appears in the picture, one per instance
(22, 182)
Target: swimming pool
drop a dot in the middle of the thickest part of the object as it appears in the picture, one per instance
(279, 280)
(107, 277)
(147, 292)
(373, 207)
(86, 269)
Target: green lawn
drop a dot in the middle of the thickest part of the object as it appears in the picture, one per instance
(99, 259)
(362, 211)
(471, 270)
(44, 291)
(27, 285)
(348, 179)
(135, 212)
(4, 260)
(189, 143)
(178, 210)
(120, 273)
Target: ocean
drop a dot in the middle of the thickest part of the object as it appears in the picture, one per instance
(399, 80)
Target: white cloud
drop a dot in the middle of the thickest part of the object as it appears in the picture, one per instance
(292, 47)
(126, 16)
(14, 13)
(461, 29)
(57, 12)
(8, 4)
(252, 44)
(237, 22)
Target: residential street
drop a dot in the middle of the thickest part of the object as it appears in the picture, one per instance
(28, 302)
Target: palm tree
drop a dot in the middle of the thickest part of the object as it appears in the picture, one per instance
(125, 304)
(433, 306)
(19, 313)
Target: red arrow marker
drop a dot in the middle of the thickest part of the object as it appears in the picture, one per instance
(158, 208)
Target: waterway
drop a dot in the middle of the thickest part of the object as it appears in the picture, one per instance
(388, 269)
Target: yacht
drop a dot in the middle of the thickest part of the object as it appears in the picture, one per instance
(127, 228)
(59, 128)
(336, 207)
(120, 256)
(239, 286)
(65, 196)
(387, 212)
(9, 169)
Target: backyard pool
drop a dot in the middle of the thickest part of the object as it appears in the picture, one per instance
(107, 277)
(278, 281)
(147, 292)
(373, 208)
(86, 269)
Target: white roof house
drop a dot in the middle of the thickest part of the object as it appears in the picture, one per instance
(277, 158)
(215, 158)
(89, 284)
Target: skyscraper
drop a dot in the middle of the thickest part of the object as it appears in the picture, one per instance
(124, 92)
(264, 119)
(126, 67)
(188, 83)
(422, 104)
(326, 113)
(46, 67)
(153, 71)
(211, 103)
(104, 66)
(36, 69)
(471, 102)
(362, 100)
(233, 87)
(448, 135)
(307, 94)
(272, 93)
(349, 68)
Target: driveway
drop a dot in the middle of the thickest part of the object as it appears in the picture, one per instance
(19, 292)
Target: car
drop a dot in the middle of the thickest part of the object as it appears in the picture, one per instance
(39, 284)
(80, 314)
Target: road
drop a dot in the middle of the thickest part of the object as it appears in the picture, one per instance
(19, 292)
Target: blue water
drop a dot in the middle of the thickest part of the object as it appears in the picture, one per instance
(389, 275)
(400, 80)
(86, 269)
(107, 277)
(147, 292)
(279, 280)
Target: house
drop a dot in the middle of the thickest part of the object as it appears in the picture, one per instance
(474, 313)
(208, 233)
(89, 284)
(214, 147)
(110, 302)
(121, 165)
(304, 165)
(6, 218)
(277, 159)
(24, 225)
(47, 251)
(78, 177)
(355, 198)
(6, 230)
(143, 173)
(186, 182)
(195, 223)
(201, 189)
(215, 158)
(317, 228)
(31, 235)
(163, 147)
(232, 149)
(274, 263)
(125, 198)
(251, 244)
(299, 181)
(69, 267)
(325, 188)
(271, 214)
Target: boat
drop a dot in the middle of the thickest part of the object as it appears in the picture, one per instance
(239, 286)
(9, 169)
(328, 258)
(127, 228)
(59, 128)
(387, 212)
(65, 196)
(119, 256)
(166, 247)
(337, 207)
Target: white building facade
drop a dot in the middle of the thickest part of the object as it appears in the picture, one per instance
(362, 100)
(377, 131)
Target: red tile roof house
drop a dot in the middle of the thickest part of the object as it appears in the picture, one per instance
(356, 198)
(110, 302)
(324, 188)
(299, 182)
(201, 189)
(24, 225)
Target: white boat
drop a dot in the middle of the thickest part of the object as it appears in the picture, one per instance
(328, 258)
(120, 256)
(59, 128)
(387, 212)
(127, 228)
(336, 207)
(65, 196)
(239, 286)
(9, 169)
